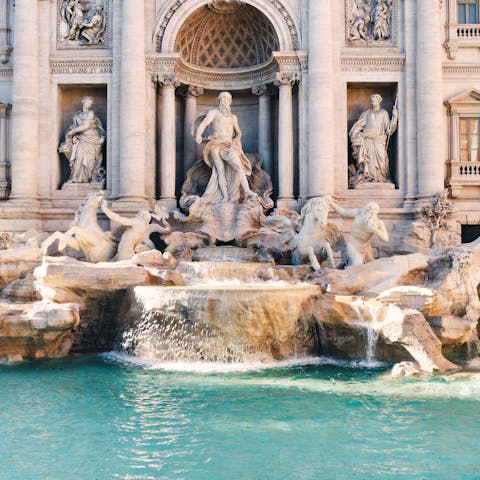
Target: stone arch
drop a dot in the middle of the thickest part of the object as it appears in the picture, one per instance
(175, 13)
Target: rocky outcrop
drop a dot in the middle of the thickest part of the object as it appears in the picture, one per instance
(36, 330)
(413, 307)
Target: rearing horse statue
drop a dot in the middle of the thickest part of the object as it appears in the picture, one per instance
(85, 234)
(315, 237)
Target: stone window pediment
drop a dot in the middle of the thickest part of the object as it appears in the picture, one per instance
(464, 140)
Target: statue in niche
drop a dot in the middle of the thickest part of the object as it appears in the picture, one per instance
(370, 136)
(364, 226)
(223, 154)
(83, 145)
(381, 20)
(84, 22)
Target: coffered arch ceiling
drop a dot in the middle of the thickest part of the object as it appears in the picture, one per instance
(231, 35)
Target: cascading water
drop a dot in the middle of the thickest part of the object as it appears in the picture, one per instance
(222, 322)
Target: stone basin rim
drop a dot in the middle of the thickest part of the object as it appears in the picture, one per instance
(264, 287)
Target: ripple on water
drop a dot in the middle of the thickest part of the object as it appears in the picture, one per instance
(117, 417)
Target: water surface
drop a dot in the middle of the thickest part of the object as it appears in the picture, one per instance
(105, 417)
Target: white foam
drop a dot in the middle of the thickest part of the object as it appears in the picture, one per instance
(456, 385)
(223, 367)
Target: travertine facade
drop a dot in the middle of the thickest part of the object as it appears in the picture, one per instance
(300, 72)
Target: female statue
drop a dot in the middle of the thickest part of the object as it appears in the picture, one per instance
(83, 145)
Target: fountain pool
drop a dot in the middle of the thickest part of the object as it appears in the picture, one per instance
(112, 416)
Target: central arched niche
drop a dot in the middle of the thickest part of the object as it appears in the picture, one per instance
(226, 35)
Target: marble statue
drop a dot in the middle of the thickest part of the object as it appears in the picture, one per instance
(364, 226)
(85, 234)
(315, 237)
(223, 153)
(93, 29)
(136, 237)
(360, 20)
(381, 19)
(84, 23)
(83, 145)
(370, 135)
(73, 12)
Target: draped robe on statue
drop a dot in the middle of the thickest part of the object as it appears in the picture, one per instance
(369, 144)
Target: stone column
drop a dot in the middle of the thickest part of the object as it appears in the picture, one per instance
(132, 102)
(167, 141)
(4, 165)
(285, 81)
(5, 48)
(189, 145)
(430, 155)
(321, 112)
(25, 95)
(264, 126)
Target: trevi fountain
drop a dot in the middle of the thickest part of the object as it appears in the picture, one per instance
(216, 261)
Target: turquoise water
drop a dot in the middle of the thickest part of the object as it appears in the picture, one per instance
(101, 417)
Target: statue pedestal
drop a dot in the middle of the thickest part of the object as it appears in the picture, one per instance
(374, 186)
(72, 194)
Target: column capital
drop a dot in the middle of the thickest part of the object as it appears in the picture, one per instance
(190, 90)
(165, 79)
(287, 78)
(261, 90)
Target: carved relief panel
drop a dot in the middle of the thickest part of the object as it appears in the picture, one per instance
(82, 24)
(370, 22)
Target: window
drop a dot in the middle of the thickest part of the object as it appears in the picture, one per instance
(467, 11)
(469, 135)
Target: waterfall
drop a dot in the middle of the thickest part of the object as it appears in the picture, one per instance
(224, 323)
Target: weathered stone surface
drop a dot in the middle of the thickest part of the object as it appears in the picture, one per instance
(22, 290)
(222, 323)
(63, 279)
(351, 320)
(377, 276)
(36, 330)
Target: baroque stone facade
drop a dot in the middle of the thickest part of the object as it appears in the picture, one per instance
(301, 72)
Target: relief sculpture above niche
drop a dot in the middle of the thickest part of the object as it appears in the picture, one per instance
(82, 23)
(369, 21)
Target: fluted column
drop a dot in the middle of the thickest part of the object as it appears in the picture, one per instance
(167, 82)
(4, 165)
(264, 126)
(189, 145)
(430, 155)
(132, 102)
(321, 111)
(25, 94)
(285, 81)
(5, 47)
